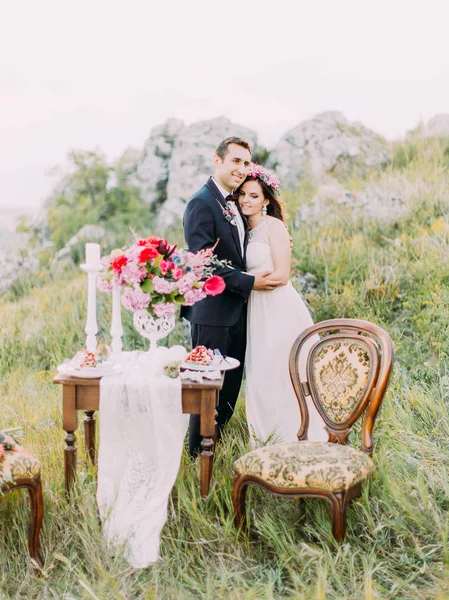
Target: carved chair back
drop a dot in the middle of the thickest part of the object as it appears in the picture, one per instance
(347, 373)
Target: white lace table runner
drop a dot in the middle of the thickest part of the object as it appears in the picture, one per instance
(142, 430)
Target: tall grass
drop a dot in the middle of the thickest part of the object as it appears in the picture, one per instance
(397, 542)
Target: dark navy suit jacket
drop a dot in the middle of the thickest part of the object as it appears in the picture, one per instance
(204, 224)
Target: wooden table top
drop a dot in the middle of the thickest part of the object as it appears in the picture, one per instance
(208, 384)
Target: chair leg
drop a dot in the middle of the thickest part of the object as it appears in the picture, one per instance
(37, 513)
(239, 499)
(338, 510)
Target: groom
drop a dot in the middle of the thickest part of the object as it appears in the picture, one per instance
(220, 321)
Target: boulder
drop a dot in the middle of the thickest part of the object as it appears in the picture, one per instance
(16, 265)
(384, 203)
(151, 170)
(437, 126)
(328, 143)
(306, 284)
(74, 249)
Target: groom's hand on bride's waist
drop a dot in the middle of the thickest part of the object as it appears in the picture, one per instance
(263, 282)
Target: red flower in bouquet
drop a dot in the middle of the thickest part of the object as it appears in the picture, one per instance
(119, 262)
(148, 253)
(156, 276)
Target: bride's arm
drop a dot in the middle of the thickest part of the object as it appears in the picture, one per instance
(281, 253)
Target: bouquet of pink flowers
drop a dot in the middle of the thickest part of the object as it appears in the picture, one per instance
(157, 276)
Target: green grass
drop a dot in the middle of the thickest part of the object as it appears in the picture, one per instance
(397, 543)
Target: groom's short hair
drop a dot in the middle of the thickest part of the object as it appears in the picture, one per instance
(222, 148)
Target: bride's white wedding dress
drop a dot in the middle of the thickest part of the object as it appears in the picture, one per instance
(275, 319)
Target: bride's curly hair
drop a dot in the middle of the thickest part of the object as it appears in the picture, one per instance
(275, 206)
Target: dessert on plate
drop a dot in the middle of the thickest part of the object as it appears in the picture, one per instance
(200, 356)
(83, 359)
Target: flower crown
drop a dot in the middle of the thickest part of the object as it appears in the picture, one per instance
(270, 179)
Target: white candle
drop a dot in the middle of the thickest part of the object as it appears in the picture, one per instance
(93, 255)
(116, 324)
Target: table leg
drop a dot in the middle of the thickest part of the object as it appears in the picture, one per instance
(207, 430)
(89, 435)
(70, 425)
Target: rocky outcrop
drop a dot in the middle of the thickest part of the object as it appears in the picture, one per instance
(384, 203)
(17, 263)
(437, 126)
(176, 161)
(75, 246)
(328, 143)
(151, 171)
(191, 161)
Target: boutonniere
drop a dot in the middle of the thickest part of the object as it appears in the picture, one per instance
(228, 211)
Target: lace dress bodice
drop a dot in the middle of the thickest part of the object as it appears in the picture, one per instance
(258, 252)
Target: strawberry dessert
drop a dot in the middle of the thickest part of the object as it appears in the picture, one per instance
(200, 356)
(83, 358)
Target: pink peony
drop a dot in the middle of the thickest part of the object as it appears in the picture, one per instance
(162, 286)
(103, 285)
(185, 284)
(164, 309)
(132, 273)
(193, 296)
(135, 299)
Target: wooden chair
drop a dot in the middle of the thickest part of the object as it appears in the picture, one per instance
(19, 469)
(348, 369)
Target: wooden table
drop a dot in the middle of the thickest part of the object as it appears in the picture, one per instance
(84, 394)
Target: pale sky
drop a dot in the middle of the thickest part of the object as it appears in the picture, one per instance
(99, 74)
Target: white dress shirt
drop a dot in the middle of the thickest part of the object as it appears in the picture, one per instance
(238, 216)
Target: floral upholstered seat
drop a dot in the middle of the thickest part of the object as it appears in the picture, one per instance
(308, 465)
(18, 465)
(346, 376)
(19, 469)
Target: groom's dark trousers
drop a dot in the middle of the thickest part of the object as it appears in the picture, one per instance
(231, 341)
(220, 321)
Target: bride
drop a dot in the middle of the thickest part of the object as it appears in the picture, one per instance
(275, 319)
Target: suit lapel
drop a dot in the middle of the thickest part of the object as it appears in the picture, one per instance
(245, 224)
(234, 229)
(235, 235)
(215, 191)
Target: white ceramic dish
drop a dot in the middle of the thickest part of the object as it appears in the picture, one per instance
(89, 372)
(218, 364)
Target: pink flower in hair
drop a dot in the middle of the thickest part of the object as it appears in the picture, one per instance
(269, 178)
